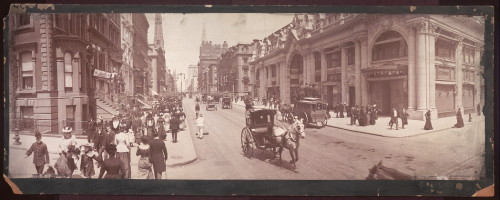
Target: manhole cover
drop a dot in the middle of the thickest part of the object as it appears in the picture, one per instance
(177, 157)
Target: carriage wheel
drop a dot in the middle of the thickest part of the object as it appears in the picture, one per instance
(247, 142)
(325, 122)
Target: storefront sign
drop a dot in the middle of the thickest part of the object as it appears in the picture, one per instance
(102, 74)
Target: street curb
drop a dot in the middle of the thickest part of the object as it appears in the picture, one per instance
(183, 163)
(187, 129)
(395, 136)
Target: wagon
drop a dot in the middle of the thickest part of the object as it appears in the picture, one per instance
(227, 103)
(312, 110)
(211, 106)
(258, 133)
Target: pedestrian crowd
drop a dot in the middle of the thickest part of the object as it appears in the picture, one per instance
(109, 145)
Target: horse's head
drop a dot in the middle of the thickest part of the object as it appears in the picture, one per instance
(298, 127)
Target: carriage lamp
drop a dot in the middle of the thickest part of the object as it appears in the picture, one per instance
(16, 137)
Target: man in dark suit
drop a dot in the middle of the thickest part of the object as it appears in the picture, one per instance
(108, 138)
(41, 155)
(159, 156)
(174, 127)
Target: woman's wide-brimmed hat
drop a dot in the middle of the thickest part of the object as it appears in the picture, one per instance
(67, 130)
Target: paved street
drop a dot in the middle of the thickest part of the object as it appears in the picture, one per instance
(329, 153)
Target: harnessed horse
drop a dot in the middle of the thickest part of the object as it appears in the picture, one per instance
(291, 140)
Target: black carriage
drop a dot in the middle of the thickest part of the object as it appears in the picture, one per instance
(211, 106)
(227, 103)
(258, 133)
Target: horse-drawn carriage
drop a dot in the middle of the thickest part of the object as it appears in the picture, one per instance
(227, 103)
(261, 133)
(312, 110)
(211, 106)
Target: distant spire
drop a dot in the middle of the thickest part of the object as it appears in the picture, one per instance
(204, 33)
(158, 38)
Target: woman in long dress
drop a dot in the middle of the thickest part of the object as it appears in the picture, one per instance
(123, 150)
(66, 165)
(112, 166)
(460, 120)
(144, 165)
(87, 164)
(428, 124)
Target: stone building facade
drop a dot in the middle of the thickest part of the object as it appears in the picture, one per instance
(52, 69)
(234, 73)
(141, 60)
(127, 41)
(192, 78)
(422, 62)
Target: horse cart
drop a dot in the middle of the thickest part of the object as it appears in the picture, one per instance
(227, 103)
(261, 133)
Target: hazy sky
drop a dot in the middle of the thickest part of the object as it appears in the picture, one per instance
(182, 32)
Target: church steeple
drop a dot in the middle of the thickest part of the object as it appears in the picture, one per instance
(158, 32)
(204, 34)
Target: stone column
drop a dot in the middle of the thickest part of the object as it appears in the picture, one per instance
(479, 75)
(421, 68)
(459, 74)
(305, 60)
(411, 68)
(324, 69)
(60, 72)
(357, 71)
(343, 73)
(285, 86)
(76, 76)
(432, 66)
(364, 64)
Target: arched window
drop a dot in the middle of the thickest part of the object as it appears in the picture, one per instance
(68, 71)
(389, 45)
(27, 70)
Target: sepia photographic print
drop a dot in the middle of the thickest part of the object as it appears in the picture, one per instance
(273, 97)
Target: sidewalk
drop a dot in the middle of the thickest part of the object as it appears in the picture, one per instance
(180, 153)
(381, 127)
(414, 127)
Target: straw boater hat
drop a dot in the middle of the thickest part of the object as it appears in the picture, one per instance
(67, 130)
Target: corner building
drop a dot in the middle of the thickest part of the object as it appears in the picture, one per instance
(419, 62)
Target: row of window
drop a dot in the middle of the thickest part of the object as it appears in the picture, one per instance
(447, 49)
(27, 64)
(72, 24)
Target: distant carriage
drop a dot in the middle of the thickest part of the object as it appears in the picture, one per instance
(227, 103)
(261, 133)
